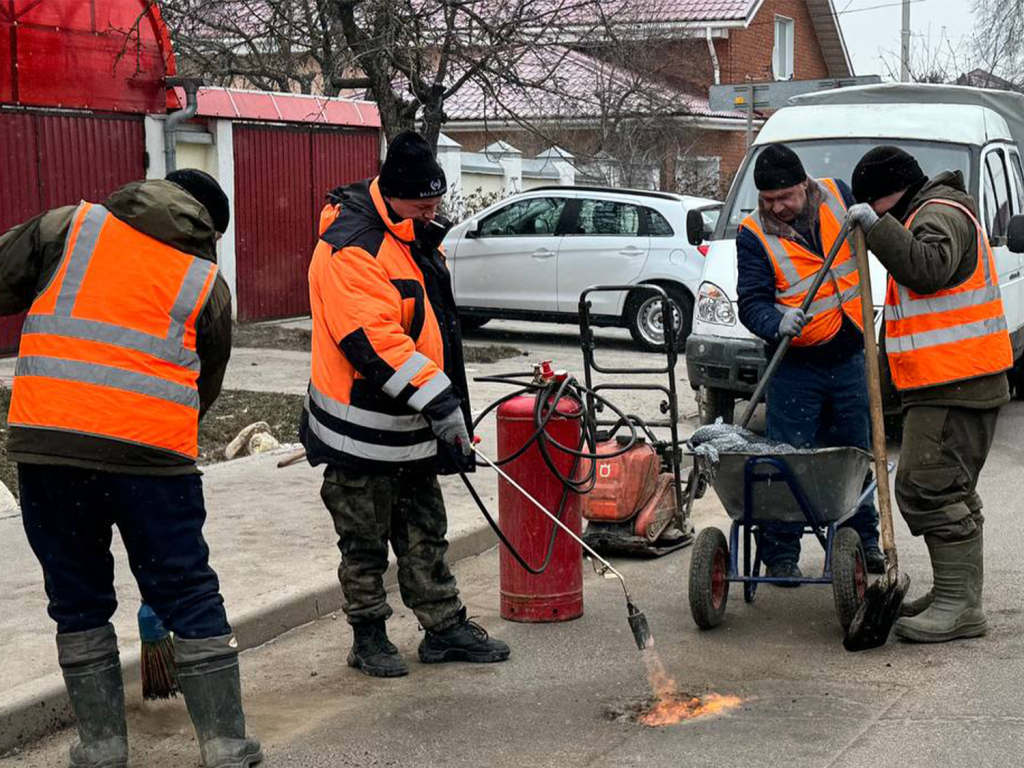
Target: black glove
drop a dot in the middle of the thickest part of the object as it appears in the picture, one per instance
(452, 430)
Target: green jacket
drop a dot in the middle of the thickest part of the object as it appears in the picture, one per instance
(939, 251)
(29, 255)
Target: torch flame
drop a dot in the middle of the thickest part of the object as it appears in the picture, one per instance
(671, 706)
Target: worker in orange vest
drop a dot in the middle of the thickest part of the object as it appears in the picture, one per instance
(388, 406)
(818, 396)
(948, 348)
(124, 347)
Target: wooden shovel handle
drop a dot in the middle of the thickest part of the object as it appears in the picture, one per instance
(874, 378)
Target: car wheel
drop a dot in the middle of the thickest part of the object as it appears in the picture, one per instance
(644, 310)
(473, 322)
(713, 403)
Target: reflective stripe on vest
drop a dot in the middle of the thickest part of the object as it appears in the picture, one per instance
(796, 268)
(393, 447)
(115, 338)
(955, 334)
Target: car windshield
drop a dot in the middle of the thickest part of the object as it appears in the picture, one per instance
(836, 158)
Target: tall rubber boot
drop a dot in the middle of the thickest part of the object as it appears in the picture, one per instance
(92, 674)
(918, 605)
(956, 611)
(208, 675)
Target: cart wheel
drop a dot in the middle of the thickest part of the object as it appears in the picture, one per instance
(709, 578)
(849, 576)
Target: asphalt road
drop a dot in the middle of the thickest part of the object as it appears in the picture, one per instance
(806, 702)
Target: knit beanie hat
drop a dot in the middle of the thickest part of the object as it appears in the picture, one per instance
(882, 171)
(204, 188)
(778, 167)
(410, 171)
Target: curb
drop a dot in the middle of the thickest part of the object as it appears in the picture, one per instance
(40, 707)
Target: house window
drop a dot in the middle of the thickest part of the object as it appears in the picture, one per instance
(782, 57)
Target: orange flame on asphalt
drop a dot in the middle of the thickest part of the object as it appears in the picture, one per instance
(670, 706)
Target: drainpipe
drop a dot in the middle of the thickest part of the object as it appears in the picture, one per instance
(191, 86)
(714, 58)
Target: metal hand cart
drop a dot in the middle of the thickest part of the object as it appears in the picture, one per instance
(820, 489)
(614, 538)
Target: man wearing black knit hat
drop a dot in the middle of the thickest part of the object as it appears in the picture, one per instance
(123, 350)
(947, 348)
(818, 396)
(388, 406)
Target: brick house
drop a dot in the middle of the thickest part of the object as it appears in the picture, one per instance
(675, 51)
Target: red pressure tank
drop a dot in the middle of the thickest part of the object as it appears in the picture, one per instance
(556, 594)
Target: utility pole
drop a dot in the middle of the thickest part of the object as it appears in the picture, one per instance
(905, 48)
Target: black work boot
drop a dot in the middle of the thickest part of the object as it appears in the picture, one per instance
(956, 610)
(208, 675)
(786, 569)
(874, 560)
(372, 653)
(464, 641)
(92, 674)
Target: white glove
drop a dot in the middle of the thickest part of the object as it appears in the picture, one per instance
(793, 322)
(863, 215)
(452, 430)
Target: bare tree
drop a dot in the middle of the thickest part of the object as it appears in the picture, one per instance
(998, 42)
(409, 56)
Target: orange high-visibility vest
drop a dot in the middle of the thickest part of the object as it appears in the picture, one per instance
(951, 335)
(109, 347)
(796, 267)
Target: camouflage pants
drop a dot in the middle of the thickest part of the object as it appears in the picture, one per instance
(407, 510)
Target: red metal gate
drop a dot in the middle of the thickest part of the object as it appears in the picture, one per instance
(48, 160)
(281, 177)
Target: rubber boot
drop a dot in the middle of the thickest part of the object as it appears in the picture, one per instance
(92, 674)
(956, 610)
(372, 653)
(463, 641)
(208, 675)
(918, 605)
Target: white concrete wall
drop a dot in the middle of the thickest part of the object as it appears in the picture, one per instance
(486, 182)
(224, 170)
(201, 156)
(533, 183)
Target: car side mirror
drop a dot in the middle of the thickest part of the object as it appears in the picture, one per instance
(473, 228)
(1015, 234)
(695, 227)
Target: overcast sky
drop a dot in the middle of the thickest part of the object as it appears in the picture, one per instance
(872, 29)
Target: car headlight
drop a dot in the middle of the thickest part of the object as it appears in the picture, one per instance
(713, 306)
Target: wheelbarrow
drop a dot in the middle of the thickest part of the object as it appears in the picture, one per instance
(820, 488)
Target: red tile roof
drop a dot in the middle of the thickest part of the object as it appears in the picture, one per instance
(567, 85)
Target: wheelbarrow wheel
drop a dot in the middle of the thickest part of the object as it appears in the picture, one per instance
(709, 578)
(849, 575)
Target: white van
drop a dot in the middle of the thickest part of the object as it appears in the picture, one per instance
(978, 132)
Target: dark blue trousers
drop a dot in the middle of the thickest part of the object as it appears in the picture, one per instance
(820, 404)
(69, 514)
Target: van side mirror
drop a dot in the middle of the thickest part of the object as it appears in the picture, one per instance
(1015, 234)
(695, 232)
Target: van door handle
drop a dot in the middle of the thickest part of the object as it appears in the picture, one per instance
(1014, 276)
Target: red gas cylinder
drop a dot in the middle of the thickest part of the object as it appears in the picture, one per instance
(557, 593)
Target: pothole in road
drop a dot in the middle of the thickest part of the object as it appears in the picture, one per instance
(672, 708)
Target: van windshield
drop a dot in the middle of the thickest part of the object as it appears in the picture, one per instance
(836, 158)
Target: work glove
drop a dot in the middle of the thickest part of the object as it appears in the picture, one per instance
(863, 215)
(793, 322)
(452, 430)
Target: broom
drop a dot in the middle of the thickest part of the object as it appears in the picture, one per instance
(157, 663)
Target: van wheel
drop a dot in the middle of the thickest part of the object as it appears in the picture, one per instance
(713, 403)
(646, 325)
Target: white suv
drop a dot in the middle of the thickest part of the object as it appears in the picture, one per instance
(530, 256)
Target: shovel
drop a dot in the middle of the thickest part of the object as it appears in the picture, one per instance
(634, 616)
(873, 622)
